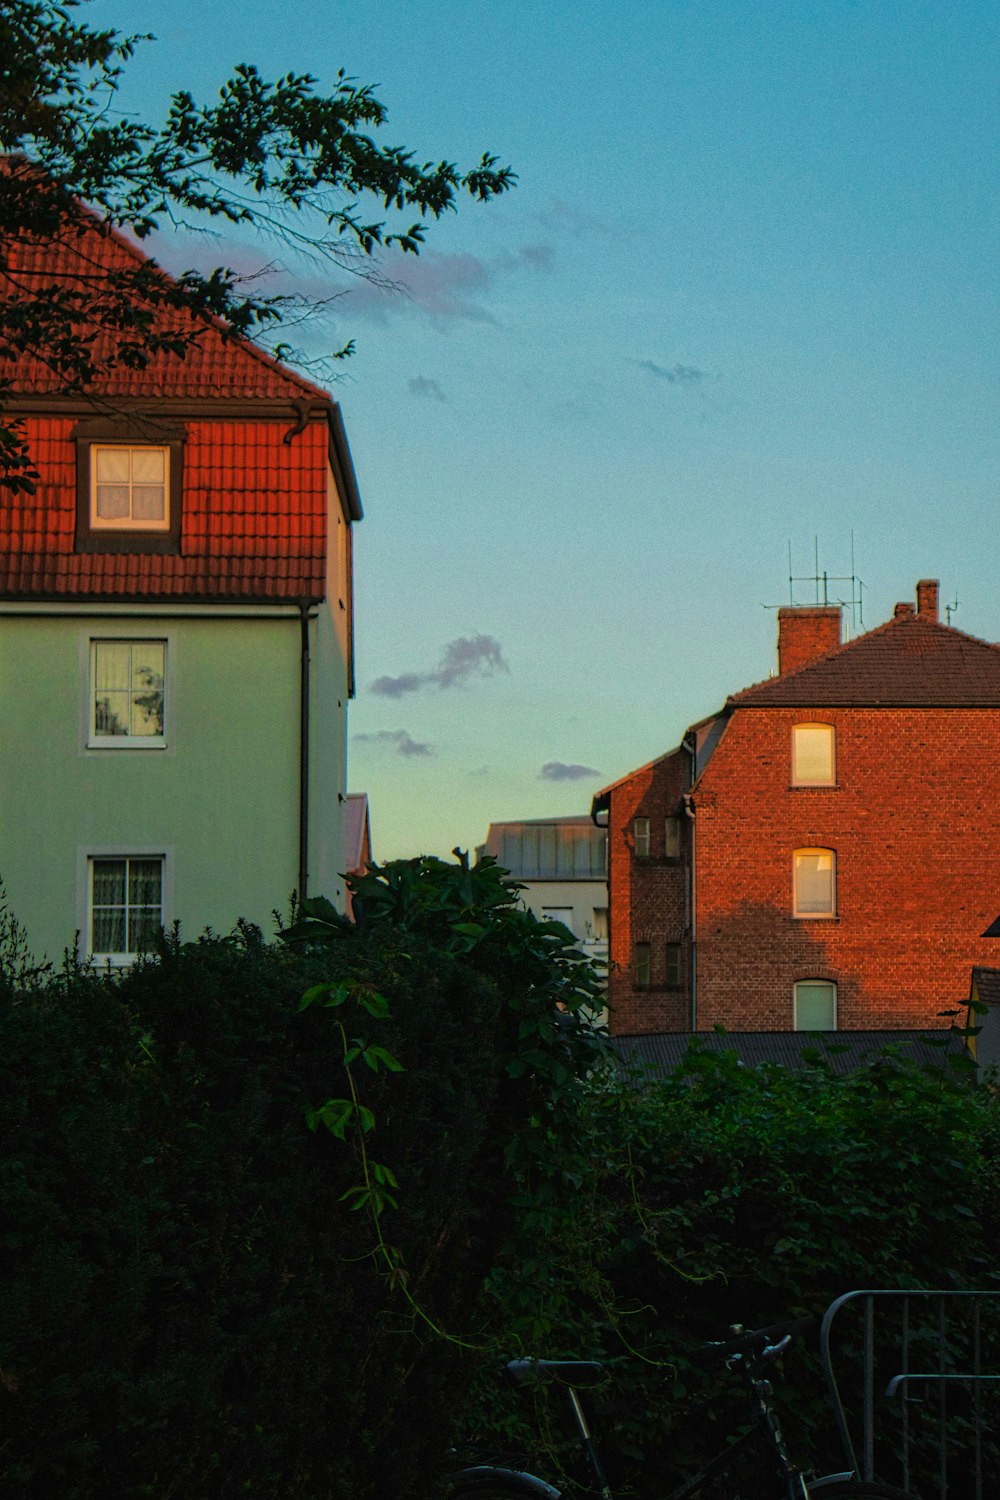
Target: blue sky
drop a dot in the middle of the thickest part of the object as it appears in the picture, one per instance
(744, 297)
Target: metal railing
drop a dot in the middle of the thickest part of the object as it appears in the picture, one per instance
(919, 1395)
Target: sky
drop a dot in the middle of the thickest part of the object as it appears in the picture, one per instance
(738, 320)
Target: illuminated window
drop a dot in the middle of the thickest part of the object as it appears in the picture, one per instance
(640, 830)
(129, 488)
(814, 883)
(813, 757)
(815, 1005)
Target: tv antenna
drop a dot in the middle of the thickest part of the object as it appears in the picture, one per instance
(821, 582)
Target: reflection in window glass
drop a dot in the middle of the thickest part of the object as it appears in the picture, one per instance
(128, 689)
(813, 755)
(815, 883)
(815, 1005)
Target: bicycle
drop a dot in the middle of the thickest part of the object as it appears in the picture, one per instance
(749, 1353)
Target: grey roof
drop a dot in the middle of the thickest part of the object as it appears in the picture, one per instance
(987, 983)
(844, 1051)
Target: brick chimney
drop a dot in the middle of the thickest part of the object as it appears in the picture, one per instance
(927, 599)
(806, 633)
(904, 610)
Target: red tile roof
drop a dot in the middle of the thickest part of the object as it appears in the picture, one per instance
(254, 508)
(253, 522)
(907, 662)
(213, 367)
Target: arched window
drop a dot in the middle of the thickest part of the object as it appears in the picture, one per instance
(814, 1005)
(813, 755)
(814, 883)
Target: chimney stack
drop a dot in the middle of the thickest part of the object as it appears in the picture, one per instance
(927, 599)
(805, 634)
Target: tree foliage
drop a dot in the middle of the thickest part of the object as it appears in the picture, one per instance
(280, 157)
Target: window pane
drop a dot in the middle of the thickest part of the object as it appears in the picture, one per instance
(112, 502)
(147, 688)
(815, 1006)
(642, 966)
(641, 830)
(147, 502)
(113, 466)
(600, 924)
(108, 933)
(144, 882)
(673, 966)
(147, 466)
(109, 882)
(112, 664)
(111, 713)
(814, 881)
(812, 754)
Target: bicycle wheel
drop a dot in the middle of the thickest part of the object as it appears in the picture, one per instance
(858, 1489)
(488, 1483)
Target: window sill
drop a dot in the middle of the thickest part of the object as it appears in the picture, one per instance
(814, 916)
(126, 742)
(815, 786)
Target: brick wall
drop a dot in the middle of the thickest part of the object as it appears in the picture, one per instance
(648, 898)
(915, 823)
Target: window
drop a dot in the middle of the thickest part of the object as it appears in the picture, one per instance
(127, 694)
(672, 843)
(600, 925)
(815, 883)
(675, 972)
(641, 966)
(129, 478)
(813, 755)
(815, 1005)
(640, 831)
(125, 905)
(129, 488)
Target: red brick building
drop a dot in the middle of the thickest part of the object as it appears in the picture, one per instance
(822, 853)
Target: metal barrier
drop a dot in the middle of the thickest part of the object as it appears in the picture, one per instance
(923, 1393)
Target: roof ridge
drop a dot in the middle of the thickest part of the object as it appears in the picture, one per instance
(232, 340)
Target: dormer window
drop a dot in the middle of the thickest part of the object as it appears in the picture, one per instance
(813, 755)
(129, 488)
(129, 485)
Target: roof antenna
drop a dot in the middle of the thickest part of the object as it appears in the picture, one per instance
(951, 609)
(821, 582)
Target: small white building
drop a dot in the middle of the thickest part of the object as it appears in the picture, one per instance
(562, 864)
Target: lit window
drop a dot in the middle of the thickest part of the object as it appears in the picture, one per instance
(815, 883)
(674, 969)
(815, 1005)
(813, 755)
(126, 905)
(129, 488)
(641, 966)
(640, 829)
(127, 693)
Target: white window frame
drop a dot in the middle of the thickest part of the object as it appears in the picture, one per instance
(640, 837)
(817, 916)
(85, 857)
(97, 741)
(827, 983)
(798, 777)
(129, 523)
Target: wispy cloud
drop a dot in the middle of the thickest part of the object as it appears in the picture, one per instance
(461, 661)
(446, 288)
(395, 739)
(673, 374)
(558, 770)
(422, 385)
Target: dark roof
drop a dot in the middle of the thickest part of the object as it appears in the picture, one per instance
(993, 930)
(909, 661)
(844, 1051)
(987, 983)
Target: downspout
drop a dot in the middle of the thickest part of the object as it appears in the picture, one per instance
(303, 886)
(689, 810)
